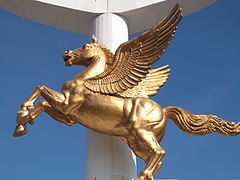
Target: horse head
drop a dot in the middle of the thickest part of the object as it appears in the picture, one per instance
(87, 53)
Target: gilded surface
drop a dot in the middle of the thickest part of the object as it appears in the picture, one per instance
(111, 96)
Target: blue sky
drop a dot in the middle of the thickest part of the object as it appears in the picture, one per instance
(205, 61)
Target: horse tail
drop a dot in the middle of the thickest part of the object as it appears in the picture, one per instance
(201, 124)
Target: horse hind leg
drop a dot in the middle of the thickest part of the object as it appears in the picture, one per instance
(154, 153)
(141, 153)
(144, 132)
(154, 161)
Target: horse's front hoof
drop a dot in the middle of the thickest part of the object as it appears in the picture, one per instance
(20, 130)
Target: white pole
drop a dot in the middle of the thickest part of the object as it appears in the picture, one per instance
(109, 158)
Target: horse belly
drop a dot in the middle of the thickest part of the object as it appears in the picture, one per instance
(101, 113)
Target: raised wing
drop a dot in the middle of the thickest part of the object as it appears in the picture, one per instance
(149, 85)
(133, 58)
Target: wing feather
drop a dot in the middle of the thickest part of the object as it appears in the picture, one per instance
(149, 85)
(133, 59)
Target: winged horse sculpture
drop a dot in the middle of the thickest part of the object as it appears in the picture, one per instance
(111, 96)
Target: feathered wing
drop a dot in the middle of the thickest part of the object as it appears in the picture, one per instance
(134, 58)
(149, 85)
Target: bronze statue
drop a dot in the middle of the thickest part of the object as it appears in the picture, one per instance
(111, 96)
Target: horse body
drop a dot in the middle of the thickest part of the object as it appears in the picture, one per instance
(114, 114)
(110, 95)
(94, 113)
(139, 121)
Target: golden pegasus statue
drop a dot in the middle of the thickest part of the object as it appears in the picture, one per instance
(111, 96)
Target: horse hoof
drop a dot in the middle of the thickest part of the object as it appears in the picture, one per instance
(144, 177)
(20, 130)
(140, 178)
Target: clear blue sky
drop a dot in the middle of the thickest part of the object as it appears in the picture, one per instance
(205, 61)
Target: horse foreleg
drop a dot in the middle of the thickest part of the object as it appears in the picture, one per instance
(24, 116)
(34, 112)
(60, 102)
(28, 104)
(21, 128)
(49, 94)
(40, 91)
(42, 106)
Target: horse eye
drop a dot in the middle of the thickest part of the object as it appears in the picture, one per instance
(86, 46)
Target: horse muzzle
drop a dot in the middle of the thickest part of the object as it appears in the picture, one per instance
(67, 59)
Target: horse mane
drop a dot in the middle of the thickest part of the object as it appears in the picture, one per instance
(108, 53)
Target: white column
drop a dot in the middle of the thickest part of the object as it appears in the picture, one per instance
(110, 30)
(108, 157)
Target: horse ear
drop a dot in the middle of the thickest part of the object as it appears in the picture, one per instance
(94, 39)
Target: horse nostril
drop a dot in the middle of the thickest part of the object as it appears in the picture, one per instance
(66, 57)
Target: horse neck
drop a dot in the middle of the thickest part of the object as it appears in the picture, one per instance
(96, 67)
